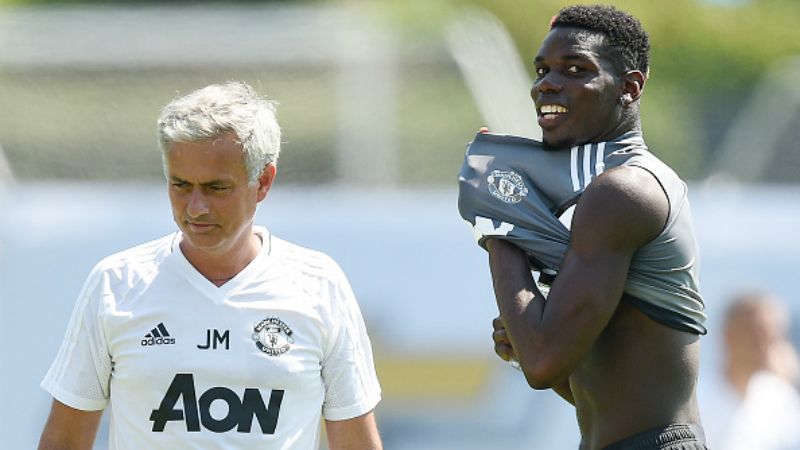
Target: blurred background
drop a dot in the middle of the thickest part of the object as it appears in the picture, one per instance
(377, 101)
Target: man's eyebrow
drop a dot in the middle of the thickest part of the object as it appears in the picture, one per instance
(567, 57)
(205, 183)
(574, 56)
(214, 183)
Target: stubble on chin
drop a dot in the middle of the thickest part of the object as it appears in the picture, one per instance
(556, 145)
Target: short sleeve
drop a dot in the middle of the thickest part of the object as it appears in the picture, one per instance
(348, 371)
(80, 375)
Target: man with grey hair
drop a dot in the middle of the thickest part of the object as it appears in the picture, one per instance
(219, 335)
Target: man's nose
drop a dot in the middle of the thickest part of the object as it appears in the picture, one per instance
(546, 84)
(198, 204)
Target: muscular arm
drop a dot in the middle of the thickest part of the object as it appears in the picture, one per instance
(69, 428)
(359, 433)
(618, 213)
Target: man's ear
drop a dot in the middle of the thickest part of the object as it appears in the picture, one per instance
(632, 86)
(265, 180)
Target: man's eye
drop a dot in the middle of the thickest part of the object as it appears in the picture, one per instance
(540, 71)
(573, 69)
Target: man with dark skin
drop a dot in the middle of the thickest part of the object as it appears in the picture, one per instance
(631, 378)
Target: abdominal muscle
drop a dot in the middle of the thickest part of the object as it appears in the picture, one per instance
(638, 375)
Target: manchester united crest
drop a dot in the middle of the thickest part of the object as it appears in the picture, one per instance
(507, 186)
(273, 336)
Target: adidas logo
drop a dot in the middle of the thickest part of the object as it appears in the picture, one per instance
(158, 336)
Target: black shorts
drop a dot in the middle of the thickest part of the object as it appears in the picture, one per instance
(670, 437)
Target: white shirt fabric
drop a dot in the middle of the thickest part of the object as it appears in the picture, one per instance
(187, 364)
(767, 418)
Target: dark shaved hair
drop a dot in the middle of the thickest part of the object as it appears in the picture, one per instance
(623, 33)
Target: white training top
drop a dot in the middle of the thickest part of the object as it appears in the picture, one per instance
(254, 363)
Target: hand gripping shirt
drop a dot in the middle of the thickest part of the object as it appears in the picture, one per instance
(513, 188)
(252, 364)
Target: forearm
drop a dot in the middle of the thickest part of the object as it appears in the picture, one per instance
(521, 308)
(551, 336)
(520, 303)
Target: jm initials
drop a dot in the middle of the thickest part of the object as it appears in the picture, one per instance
(217, 338)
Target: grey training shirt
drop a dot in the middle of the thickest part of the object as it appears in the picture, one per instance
(513, 188)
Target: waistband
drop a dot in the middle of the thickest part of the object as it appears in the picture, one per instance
(674, 436)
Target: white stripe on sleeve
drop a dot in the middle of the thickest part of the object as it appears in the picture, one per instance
(587, 165)
(573, 158)
(599, 164)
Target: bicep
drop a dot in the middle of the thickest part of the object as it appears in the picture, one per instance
(69, 428)
(359, 432)
(617, 214)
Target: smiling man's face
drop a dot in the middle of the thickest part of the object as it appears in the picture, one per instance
(577, 89)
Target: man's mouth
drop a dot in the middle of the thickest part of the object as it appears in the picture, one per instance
(199, 226)
(550, 112)
(551, 115)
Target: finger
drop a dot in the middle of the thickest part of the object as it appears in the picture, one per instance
(483, 130)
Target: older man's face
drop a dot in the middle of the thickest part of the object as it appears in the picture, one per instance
(212, 202)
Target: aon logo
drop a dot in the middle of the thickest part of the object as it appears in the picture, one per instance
(194, 411)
